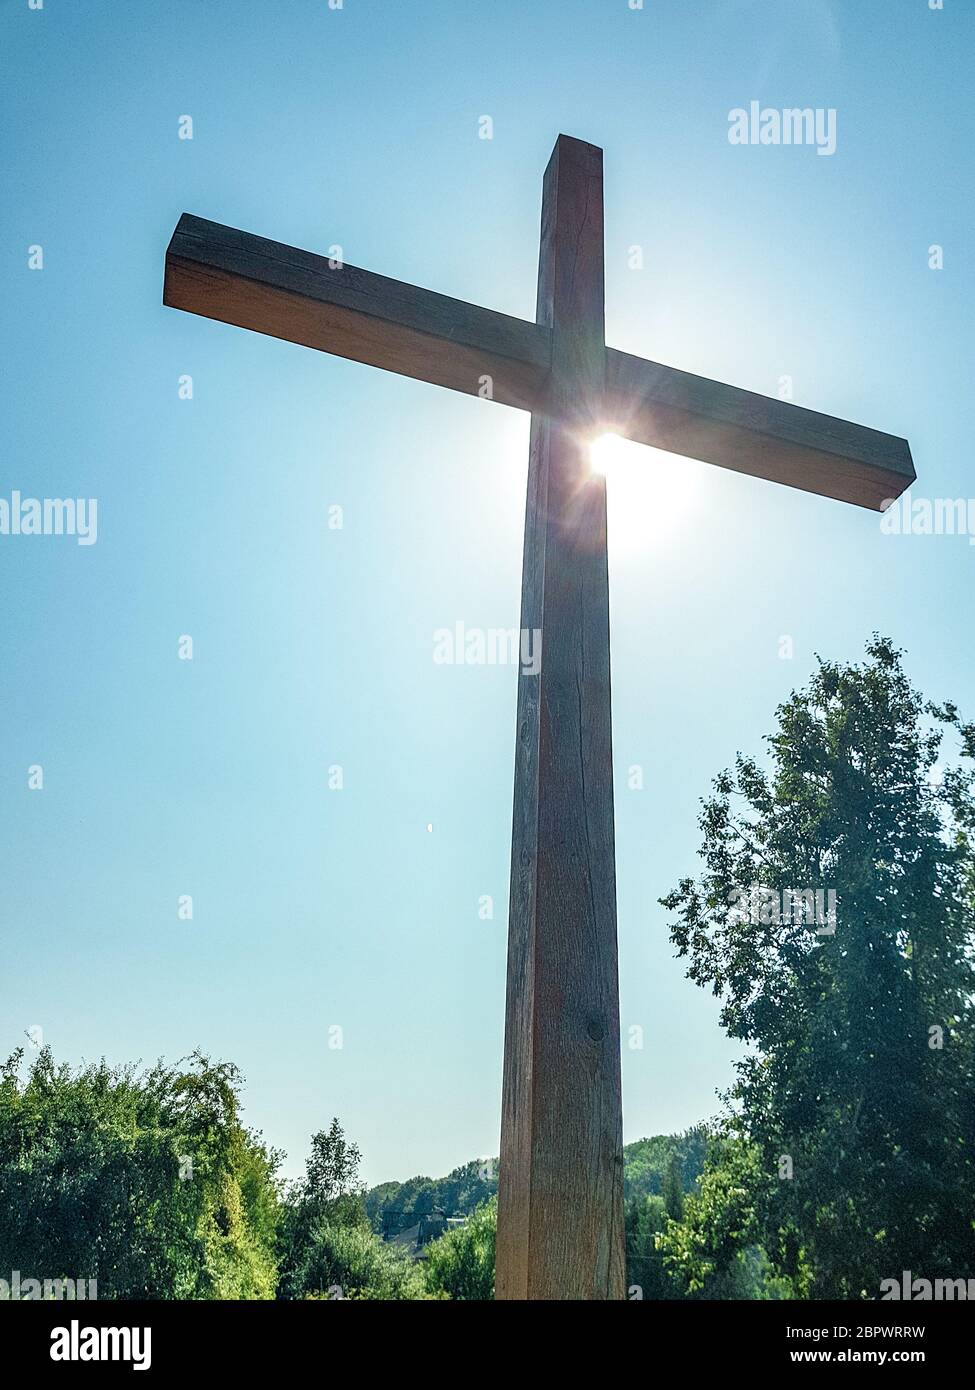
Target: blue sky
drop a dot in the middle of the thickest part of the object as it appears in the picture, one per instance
(313, 646)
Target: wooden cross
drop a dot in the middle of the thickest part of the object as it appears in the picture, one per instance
(560, 1213)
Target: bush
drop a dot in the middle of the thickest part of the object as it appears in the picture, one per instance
(461, 1263)
(146, 1183)
(352, 1262)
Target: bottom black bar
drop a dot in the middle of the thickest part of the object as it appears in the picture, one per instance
(172, 1338)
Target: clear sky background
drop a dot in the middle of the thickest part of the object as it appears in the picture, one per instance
(312, 646)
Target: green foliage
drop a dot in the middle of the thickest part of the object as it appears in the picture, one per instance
(460, 1264)
(393, 1207)
(331, 1172)
(848, 1153)
(669, 1258)
(647, 1163)
(658, 1173)
(718, 1221)
(646, 1269)
(146, 1182)
(352, 1262)
(328, 1199)
(673, 1189)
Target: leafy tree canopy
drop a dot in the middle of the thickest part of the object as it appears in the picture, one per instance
(146, 1182)
(849, 1145)
(460, 1263)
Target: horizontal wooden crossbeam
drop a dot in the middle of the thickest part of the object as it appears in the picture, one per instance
(271, 288)
(754, 434)
(262, 285)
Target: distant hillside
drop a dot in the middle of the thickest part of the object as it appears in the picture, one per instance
(393, 1206)
(646, 1161)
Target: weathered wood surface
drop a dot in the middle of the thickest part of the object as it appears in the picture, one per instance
(560, 1196)
(263, 285)
(271, 288)
(754, 434)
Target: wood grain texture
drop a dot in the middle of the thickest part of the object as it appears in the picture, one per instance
(754, 434)
(270, 288)
(246, 280)
(560, 1195)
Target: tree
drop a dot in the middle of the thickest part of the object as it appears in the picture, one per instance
(849, 1150)
(647, 1276)
(646, 1162)
(673, 1187)
(328, 1198)
(352, 1262)
(392, 1207)
(460, 1263)
(331, 1185)
(147, 1183)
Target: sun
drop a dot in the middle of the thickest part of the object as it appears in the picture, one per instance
(650, 494)
(603, 450)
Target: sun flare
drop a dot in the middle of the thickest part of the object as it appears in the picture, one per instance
(649, 492)
(603, 450)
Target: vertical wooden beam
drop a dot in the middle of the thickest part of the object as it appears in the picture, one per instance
(560, 1214)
